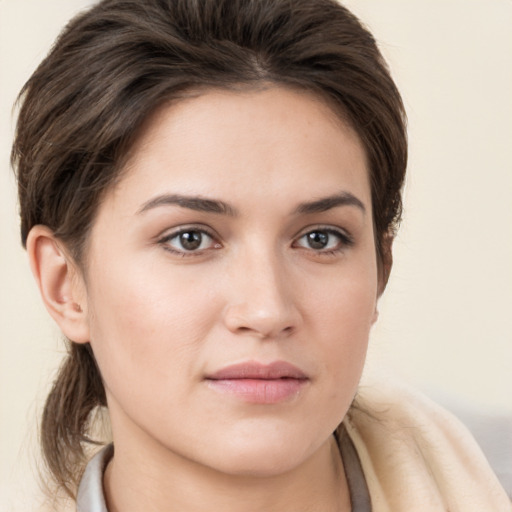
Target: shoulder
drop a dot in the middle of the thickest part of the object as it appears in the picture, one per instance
(414, 452)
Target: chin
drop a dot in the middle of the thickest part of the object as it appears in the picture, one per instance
(260, 465)
(263, 455)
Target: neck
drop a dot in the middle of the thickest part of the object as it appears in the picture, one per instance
(152, 478)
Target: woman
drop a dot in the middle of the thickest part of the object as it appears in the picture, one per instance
(209, 192)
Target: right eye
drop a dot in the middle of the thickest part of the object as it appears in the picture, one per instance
(188, 241)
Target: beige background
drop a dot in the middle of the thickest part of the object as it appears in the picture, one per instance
(446, 320)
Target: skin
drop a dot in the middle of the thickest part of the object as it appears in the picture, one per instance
(160, 318)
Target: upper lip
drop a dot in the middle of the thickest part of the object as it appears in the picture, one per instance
(255, 370)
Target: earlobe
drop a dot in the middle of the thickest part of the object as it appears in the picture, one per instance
(60, 283)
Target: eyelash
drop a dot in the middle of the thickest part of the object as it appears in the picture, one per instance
(345, 241)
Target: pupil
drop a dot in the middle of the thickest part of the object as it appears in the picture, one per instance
(190, 240)
(318, 240)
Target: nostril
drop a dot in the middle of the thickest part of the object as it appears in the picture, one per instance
(269, 322)
(261, 332)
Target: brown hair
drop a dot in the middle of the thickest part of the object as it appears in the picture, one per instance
(115, 64)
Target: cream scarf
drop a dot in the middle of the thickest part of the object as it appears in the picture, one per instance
(418, 457)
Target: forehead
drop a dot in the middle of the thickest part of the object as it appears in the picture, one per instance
(272, 140)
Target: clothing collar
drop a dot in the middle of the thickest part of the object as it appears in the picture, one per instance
(91, 497)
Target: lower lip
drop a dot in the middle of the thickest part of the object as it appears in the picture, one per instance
(259, 391)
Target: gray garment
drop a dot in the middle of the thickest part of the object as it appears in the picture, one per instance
(91, 498)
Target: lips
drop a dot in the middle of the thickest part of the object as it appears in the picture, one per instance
(259, 383)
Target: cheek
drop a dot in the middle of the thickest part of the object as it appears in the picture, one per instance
(145, 325)
(343, 317)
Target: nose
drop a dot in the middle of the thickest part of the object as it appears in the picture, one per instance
(263, 301)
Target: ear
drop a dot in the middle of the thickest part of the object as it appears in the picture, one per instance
(60, 283)
(386, 262)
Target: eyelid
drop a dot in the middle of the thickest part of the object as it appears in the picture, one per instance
(345, 233)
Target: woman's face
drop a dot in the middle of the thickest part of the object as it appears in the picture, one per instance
(231, 281)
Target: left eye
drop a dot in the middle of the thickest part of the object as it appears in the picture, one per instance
(189, 240)
(322, 240)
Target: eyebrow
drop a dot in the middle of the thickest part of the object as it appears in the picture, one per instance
(197, 203)
(327, 203)
(202, 204)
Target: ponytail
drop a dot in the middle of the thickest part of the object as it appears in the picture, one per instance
(67, 416)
